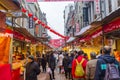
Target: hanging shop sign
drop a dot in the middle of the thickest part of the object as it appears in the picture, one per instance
(77, 27)
(97, 6)
(112, 26)
(30, 22)
(36, 29)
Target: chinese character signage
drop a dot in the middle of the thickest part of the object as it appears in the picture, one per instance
(97, 8)
(30, 22)
(56, 43)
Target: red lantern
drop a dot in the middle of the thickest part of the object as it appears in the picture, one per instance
(43, 24)
(39, 22)
(47, 27)
(35, 18)
(24, 10)
(30, 14)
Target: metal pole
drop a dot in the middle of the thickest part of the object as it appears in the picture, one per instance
(103, 44)
(73, 36)
(11, 45)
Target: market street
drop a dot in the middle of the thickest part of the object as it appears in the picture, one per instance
(59, 39)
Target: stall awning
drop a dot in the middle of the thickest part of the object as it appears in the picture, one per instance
(83, 30)
(70, 39)
(9, 5)
(23, 31)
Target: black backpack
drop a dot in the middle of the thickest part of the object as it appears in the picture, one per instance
(112, 72)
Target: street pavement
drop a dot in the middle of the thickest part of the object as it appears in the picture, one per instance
(45, 76)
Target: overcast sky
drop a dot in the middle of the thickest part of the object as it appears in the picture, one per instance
(54, 15)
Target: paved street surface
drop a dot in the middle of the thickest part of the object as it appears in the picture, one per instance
(45, 76)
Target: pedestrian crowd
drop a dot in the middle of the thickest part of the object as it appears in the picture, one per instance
(76, 65)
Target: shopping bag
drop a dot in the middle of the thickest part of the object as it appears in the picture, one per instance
(49, 70)
(62, 71)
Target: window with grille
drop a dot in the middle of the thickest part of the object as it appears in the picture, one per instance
(118, 2)
(110, 5)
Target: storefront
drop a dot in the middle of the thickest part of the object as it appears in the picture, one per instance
(112, 31)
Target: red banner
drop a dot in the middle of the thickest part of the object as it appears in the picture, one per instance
(5, 72)
(54, 0)
(112, 26)
(56, 43)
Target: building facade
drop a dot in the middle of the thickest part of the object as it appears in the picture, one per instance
(28, 22)
(68, 19)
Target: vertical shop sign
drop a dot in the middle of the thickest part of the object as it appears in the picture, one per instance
(97, 8)
(31, 22)
(77, 27)
(2, 20)
(36, 29)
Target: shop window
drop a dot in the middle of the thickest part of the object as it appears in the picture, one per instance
(110, 5)
(118, 2)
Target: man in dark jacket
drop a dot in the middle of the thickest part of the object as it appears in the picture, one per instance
(65, 64)
(102, 63)
(43, 63)
(32, 69)
(52, 65)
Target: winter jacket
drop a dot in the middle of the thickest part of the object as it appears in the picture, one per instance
(90, 69)
(51, 62)
(70, 61)
(32, 70)
(43, 62)
(79, 58)
(102, 65)
(65, 62)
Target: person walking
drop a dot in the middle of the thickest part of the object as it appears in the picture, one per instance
(60, 60)
(52, 65)
(71, 57)
(91, 67)
(82, 61)
(103, 63)
(32, 69)
(38, 58)
(43, 63)
(65, 64)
